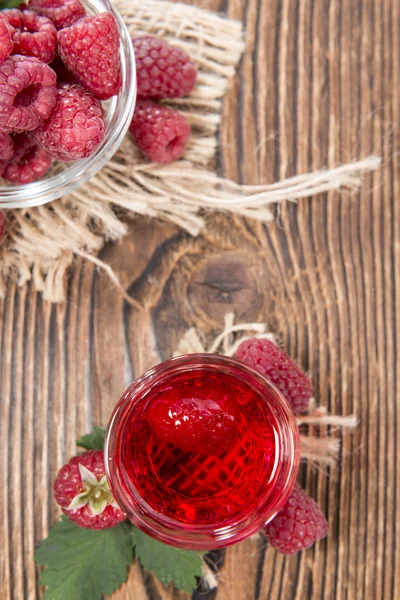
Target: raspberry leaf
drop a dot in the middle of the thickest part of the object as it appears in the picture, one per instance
(9, 4)
(83, 564)
(94, 440)
(168, 564)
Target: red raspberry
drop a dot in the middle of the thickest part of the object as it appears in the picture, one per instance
(29, 162)
(298, 524)
(6, 147)
(90, 49)
(62, 12)
(2, 221)
(162, 70)
(82, 490)
(195, 424)
(76, 127)
(265, 356)
(31, 34)
(6, 45)
(159, 131)
(27, 93)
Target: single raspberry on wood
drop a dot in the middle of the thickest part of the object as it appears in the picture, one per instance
(82, 490)
(267, 358)
(62, 12)
(27, 93)
(159, 131)
(32, 34)
(163, 71)
(28, 163)
(76, 127)
(6, 147)
(202, 425)
(90, 50)
(298, 524)
(6, 44)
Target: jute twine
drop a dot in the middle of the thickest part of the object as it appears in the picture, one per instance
(41, 242)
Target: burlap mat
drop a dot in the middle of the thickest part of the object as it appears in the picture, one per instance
(42, 242)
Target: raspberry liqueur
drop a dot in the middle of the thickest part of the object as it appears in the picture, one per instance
(201, 451)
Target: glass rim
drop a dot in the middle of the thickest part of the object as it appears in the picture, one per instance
(171, 531)
(79, 172)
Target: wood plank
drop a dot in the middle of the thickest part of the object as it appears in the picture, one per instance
(318, 85)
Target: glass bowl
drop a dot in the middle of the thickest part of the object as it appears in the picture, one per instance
(119, 110)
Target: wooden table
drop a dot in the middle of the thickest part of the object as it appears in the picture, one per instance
(318, 85)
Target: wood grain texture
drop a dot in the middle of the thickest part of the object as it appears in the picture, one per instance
(318, 85)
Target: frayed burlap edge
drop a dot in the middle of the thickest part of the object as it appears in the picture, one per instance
(41, 243)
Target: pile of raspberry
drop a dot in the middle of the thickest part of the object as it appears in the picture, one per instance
(56, 66)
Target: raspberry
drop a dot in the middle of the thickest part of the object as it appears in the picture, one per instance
(6, 45)
(298, 524)
(62, 12)
(160, 132)
(76, 127)
(82, 490)
(162, 70)
(2, 221)
(27, 93)
(6, 147)
(90, 49)
(31, 34)
(264, 356)
(195, 424)
(28, 163)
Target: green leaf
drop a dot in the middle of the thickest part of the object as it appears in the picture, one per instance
(9, 3)
(83, 564)
(167, 563)
(94, 440)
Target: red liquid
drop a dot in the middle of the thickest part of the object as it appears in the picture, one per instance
(198, 489)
